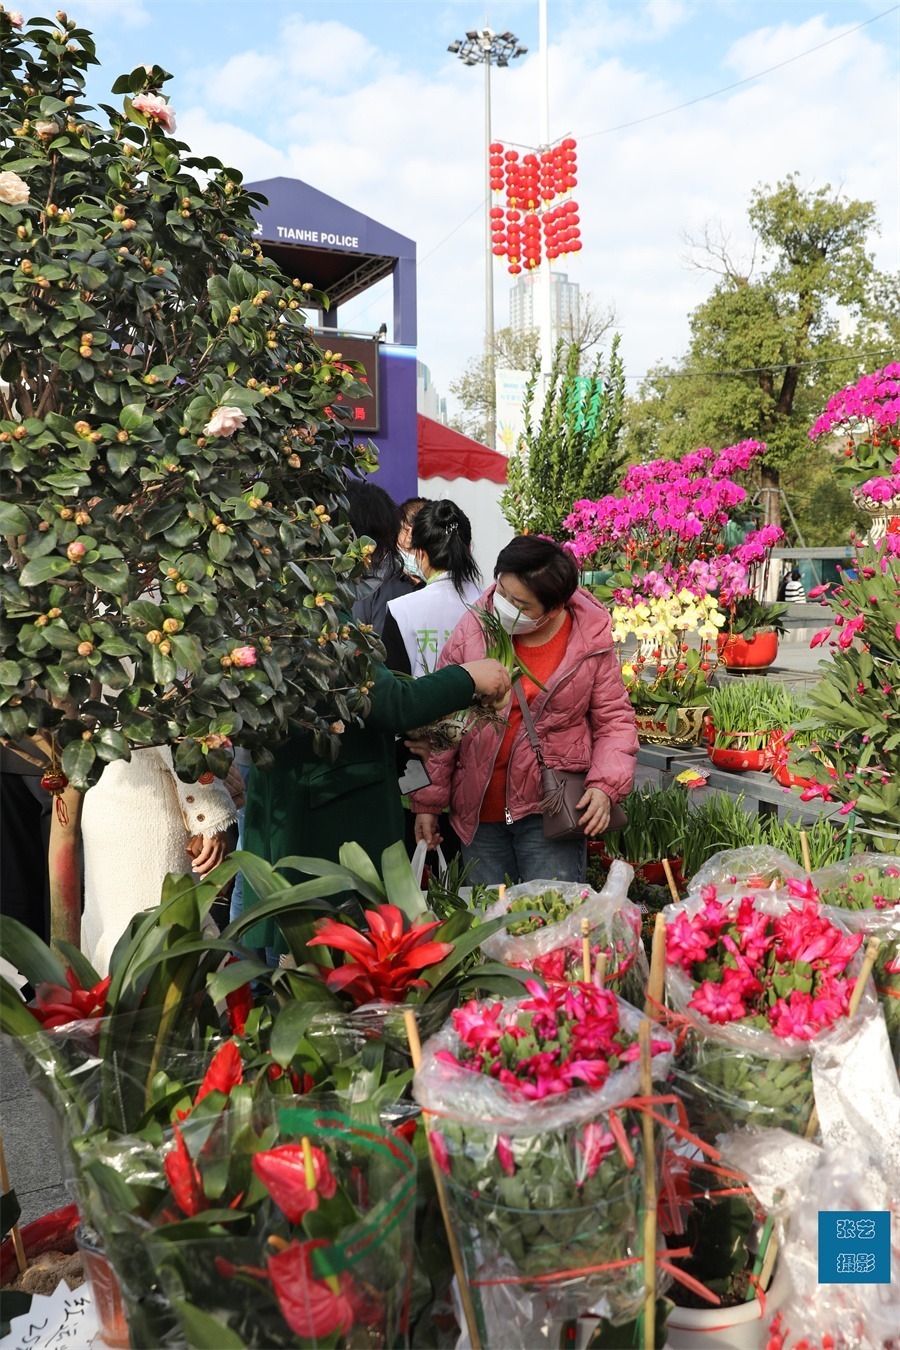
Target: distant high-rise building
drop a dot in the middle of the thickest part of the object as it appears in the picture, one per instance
(526, 304)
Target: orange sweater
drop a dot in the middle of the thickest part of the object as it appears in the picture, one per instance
(542, 661)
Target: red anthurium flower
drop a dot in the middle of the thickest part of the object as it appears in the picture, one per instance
(56, 1006)
(183, 1175)
(225, 1071)
(384, 960)
(312, 1307)
(283, 1173)
(239, 1004)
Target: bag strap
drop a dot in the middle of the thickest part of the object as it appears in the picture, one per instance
(530, 729)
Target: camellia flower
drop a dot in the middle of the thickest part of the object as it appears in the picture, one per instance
(386, 958)
(312, 1307)
(15, 18)
(283, 1173)
(243, 656)
(158, 110)
(14, 191)
(226, 420)
(183, 1175)
(57, 1006)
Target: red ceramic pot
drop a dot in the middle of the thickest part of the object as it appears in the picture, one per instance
(735, 758)
(655, 874)
(53, 1232)
(738, 653)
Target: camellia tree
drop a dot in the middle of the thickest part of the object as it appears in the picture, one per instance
(174, 561)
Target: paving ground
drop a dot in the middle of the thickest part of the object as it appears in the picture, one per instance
(24, 1119)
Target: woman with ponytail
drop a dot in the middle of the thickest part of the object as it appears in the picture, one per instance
(418, 625)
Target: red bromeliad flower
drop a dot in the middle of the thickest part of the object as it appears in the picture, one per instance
(385, 961)
(312, 1307)
(225, 1071)
(56, 1006)
(239, 1004)
(283, 1173)
(183, 1175)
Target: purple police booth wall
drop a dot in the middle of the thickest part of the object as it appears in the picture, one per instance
(397, 438)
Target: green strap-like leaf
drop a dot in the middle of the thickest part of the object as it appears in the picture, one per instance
(205, 1332)
(400, 882)
(30, 955)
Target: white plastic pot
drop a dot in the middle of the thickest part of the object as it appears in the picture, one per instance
(738, 1328)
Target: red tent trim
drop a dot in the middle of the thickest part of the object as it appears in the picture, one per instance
(445, 453)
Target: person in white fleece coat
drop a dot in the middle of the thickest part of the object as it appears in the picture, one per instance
(136, 826)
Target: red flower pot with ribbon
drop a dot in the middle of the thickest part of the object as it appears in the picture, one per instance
(740, 653)
(738, 756)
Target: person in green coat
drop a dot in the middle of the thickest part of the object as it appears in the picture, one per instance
(310, 806)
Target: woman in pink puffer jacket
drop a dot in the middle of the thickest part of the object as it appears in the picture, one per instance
(491, 781)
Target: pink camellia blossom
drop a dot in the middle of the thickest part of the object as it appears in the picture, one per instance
(505, 1155)
(15, 18)
(225, 421)
(157, 110)
(76, 551)
(14, 191)
(243, 656)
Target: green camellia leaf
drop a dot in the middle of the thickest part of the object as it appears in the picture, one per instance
(13, 519)
(42, 569)
(77, 762)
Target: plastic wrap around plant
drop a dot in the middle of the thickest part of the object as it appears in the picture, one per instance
(756, 868)
(545, 1194)
(864, 893)
(232, 1245)
(734, 1072)
(554, 949)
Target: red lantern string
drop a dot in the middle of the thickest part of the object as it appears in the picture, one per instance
(534, 222)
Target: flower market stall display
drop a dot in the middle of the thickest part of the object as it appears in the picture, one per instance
(532, 1103)
(669, 705)
(759, 981)
(548, 939)
(672, 573)
(864, 892)
(746, 721)
(858, 697)
(169, 444)
(863, 416)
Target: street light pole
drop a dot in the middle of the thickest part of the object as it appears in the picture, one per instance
(484, 46)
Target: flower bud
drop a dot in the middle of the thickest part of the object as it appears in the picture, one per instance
(41, 621)
(75, 552)
(82, 518)
(171, 625)
(165, 649)
(154, 637)
(182, 588)
(85, 648)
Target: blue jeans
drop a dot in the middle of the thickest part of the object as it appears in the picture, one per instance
(520, 852)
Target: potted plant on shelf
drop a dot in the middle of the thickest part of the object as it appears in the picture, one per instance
(658, 819)
(746, 723)
(754, 627)
(670, 701)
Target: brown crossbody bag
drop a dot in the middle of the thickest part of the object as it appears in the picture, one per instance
(563, 789)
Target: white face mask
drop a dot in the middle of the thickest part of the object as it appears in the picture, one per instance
(512, 618)
(410, 565)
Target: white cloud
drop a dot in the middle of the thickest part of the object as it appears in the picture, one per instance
(125, 13)
(406, 148)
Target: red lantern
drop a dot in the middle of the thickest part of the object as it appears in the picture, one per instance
(511, 156)
(568, 144)
(496, 147)
(496, 213)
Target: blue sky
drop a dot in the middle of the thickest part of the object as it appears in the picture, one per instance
(363, 101)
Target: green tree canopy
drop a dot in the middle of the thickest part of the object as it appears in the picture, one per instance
(769, 345)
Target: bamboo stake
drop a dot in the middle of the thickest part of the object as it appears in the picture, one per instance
(18, 1246)
(501, 891)
(600, 969)
(650, 1198)
(865, 971)
(673, 889)
(657, 966)
(465, 1293)
(586, 950)
(804, 849)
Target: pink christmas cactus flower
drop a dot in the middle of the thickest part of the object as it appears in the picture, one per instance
(505, 1155)
(687, 942)
(794, 1017)
(596, 1144)
(806, 935)
(724, 1002)
(439, 1151)
(754, 933)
